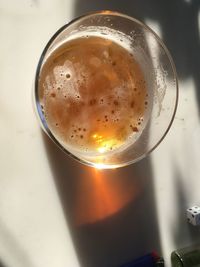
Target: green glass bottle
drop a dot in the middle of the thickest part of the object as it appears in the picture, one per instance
(186, 257)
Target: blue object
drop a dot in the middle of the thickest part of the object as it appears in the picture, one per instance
(149, 260)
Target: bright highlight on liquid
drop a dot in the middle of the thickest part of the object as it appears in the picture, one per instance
(103, 144)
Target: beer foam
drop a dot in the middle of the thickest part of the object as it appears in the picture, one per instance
(94, 96)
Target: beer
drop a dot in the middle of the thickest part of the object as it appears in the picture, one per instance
(93, 95)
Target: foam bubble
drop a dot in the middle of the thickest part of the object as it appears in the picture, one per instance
(53, 95)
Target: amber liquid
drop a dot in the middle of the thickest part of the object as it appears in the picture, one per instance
(93, 95)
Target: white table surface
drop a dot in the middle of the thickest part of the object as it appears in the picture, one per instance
(55, 212)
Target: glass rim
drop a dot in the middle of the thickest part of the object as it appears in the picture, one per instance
(37, 102)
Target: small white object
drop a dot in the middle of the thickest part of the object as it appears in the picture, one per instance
(193, 215)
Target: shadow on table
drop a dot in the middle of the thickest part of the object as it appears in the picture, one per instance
(178, 22)
(111, 214)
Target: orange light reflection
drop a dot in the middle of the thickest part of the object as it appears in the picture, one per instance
(102, 194)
